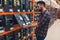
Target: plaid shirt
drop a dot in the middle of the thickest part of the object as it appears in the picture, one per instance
(43, 24)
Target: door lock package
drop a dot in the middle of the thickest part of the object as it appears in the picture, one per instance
(9, 22)
(2, 38)
(19, 20)
(1, 5)
(1, 24)
(23, 6)
(16, 7)
(9, 36)
(17, 35)
(8, 5)
(26, 18)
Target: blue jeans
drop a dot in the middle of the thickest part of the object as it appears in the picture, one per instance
(40, 38)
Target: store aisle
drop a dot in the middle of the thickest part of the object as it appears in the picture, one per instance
(54, 31)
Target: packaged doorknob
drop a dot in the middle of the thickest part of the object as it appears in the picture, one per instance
(1, 24)
(8, 5)
(19, 19)
(9, 22)
(1, 6)
(16, 5)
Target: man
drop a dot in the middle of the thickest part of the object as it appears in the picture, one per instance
(54, 31)
(43, 22)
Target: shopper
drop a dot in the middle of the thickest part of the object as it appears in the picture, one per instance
(43, 22)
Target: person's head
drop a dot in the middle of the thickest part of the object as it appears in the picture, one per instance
(41, 4)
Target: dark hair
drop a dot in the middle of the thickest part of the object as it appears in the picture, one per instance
(41, 2)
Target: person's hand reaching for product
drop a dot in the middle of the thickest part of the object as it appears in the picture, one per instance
(33, 24)
(25, 26)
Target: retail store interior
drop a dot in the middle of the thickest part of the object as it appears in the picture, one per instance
(29, 19)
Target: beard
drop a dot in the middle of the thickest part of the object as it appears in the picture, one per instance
(40, 9)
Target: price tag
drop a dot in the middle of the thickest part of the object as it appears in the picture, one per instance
(10, 10)
(18, 10)
(1, 31)
(1, 10)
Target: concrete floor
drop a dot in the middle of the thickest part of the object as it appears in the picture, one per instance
(54, 31)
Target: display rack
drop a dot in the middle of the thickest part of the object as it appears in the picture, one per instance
(17, 27)
(10, 13)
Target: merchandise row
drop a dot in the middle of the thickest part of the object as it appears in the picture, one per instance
(16, 5)
(8, 21)
(17, 35)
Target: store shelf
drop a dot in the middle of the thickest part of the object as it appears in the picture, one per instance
(10, 13)
(16, 27)
(32, 25)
